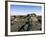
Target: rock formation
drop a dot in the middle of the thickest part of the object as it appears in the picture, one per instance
(29, 22)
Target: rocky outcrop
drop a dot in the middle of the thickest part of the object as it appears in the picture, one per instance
(30, 22)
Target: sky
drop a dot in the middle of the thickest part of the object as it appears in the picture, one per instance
(25, 9)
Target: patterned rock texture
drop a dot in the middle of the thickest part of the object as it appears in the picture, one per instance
(29, 22)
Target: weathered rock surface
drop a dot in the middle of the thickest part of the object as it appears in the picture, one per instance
(30, 22)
